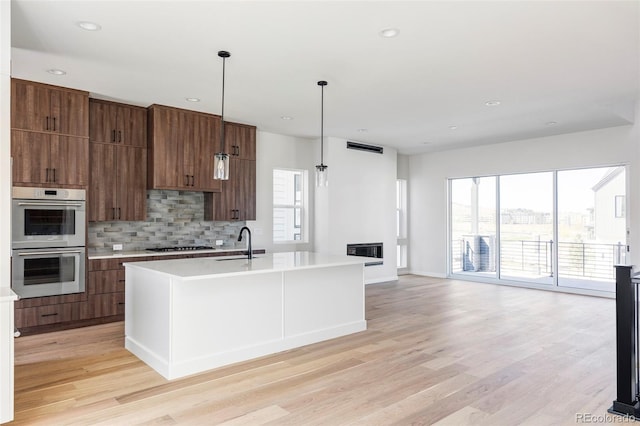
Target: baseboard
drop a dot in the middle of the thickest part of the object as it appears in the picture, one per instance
(428, 274)
(379, 280)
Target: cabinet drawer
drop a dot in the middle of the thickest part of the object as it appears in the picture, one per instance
(110, 281)
(106, 305)
(105, 264)
(51, 314)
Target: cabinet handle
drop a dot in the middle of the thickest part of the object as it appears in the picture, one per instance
(54, 125)
(46, 127)
(49, 315)
(47, 177)
(54, 175)
(120, 303)
(119, 136)
(119, 213)
(186, 180)
(113, 135)
(113, 213)
(193, 181)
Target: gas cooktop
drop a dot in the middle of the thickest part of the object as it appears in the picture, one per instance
(180, 248)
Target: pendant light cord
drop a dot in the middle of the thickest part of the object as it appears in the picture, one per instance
(224, 61)
(322, 125)
(224, 55)
(322, 83)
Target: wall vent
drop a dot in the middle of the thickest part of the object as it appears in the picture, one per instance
(363, 147)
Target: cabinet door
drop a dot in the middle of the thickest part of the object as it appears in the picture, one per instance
(30, 153)
(69, 159)
(70, 112)
(132, 126)
(187, 134)
(224, 204)
(30, 106)
(105, 305)
(207, 139)
(246, 142)
(102, 182)
(131, 183)
(108, 281)
(102, 121)
(245, 189)
(166, 159)
(240, 141)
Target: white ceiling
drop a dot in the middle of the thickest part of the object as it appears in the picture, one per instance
(575, 63)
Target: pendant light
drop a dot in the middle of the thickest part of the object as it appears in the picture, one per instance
(321, 169)
(221, 159)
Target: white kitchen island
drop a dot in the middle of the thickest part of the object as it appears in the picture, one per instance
(185, 316)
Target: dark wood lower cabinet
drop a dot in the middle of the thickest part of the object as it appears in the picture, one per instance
(106, 305)
(49, 314)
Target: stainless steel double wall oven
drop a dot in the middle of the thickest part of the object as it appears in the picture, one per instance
(48, 241)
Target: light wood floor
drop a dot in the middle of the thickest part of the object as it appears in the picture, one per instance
(436, 352)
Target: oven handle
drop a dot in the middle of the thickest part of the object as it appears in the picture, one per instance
(50, 204)
(42, 253)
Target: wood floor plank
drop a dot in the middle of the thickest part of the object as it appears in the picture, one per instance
(436, 351)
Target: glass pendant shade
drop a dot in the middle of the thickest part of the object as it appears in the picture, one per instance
(322, 178)
(221, 166)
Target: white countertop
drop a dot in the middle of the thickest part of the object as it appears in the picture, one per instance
(147, 253)
(202, 267)
(7, 295)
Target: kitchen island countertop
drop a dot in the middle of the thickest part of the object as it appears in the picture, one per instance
(203, 267)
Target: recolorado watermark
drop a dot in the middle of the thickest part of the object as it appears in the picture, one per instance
(603, 418)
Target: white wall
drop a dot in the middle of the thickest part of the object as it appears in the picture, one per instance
(275, 151)
(6, 333)
(358, 206)
(429, 173)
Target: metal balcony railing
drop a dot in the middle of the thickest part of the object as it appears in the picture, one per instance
(533, 257)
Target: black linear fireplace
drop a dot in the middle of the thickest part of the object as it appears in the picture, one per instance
(366, 250)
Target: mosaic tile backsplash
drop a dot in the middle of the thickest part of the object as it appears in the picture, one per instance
(174, 218)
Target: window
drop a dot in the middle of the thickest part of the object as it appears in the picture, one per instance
(289, 220)
(550, 228)
(620, 206)
(401, 222)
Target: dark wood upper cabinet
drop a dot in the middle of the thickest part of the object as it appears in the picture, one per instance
(43, 108)
(181, 145)
(240, 140)
(49, 160)
(111, 122)
(117, 186)
(237, 200)
(118, 179)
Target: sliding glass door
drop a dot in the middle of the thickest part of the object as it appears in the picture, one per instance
(559, 228)
(526, 227)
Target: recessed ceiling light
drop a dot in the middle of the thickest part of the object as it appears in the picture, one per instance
(286, 117)
(453, 127)
(492, 103)
(56, 71)
(193, 99)
(551, 123)
(426, 143)
(362, 130)
(89, 26)
(389, 32)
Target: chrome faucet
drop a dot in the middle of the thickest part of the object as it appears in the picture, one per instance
(249, 251)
